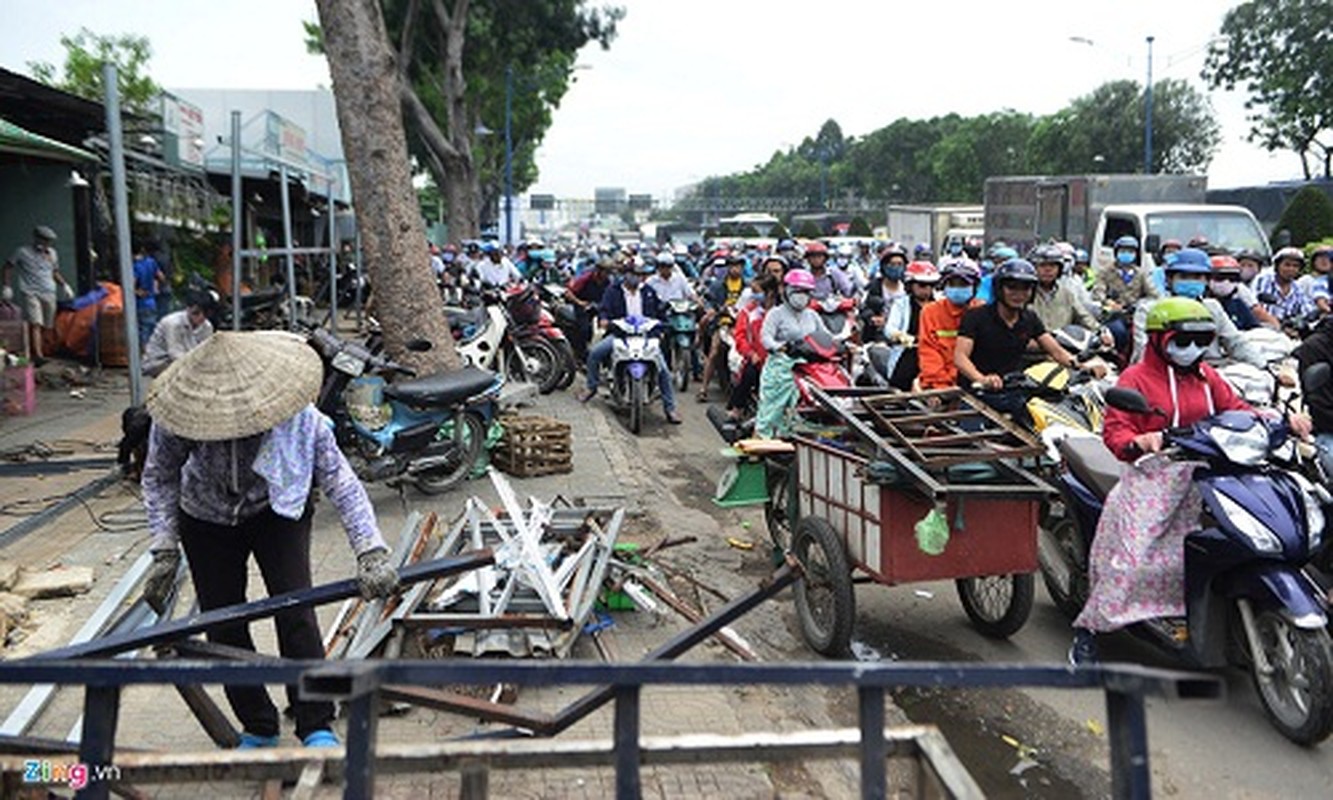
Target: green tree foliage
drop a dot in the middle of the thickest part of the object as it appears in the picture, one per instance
(1103, 131)
(457, 95)
(809, 230)
(85, 54)
(1307, 218)
(858, 227)
(948, 158)
(779, 231)
(1280, 53)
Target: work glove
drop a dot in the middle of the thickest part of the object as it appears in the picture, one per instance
(375, 576)
(161, 578)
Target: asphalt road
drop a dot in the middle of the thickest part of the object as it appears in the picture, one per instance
(1042, 743)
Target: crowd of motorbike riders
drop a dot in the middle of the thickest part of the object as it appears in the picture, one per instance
(911, 321)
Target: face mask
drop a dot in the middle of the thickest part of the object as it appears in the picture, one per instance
(987, 267)
(631, 281)
(1247, 274)
(955, 249)
(894, 273)
(1192, 289)
(798, 301)
(757, 297)
(958, 295)
(1184, 356)
(1222, 288)
(1124, 257)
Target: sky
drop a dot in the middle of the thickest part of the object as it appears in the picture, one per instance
(692, 88)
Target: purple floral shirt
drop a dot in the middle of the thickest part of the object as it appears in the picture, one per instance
(228, 482)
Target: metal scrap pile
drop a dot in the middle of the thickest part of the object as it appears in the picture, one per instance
(550, 566)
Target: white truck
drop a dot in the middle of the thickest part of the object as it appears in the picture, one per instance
(935, 226)
(1231, 227)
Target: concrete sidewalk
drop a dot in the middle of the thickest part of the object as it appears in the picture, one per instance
(609, 467)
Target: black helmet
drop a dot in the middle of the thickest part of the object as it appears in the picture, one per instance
(1015, 270)
(1047, 254)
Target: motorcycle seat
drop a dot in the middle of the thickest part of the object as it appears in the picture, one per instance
(1092, 463)
(441, 389)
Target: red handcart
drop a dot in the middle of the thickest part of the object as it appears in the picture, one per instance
(850, 502)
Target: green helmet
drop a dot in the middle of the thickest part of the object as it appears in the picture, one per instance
(1179, 314)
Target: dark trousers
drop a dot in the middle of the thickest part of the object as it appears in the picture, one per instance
(743, 393)
(219, 556)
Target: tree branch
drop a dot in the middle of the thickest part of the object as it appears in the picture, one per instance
(429, 130)
(407, 36)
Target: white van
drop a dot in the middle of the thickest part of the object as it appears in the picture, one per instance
(1230, 227)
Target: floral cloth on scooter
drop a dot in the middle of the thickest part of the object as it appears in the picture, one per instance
(1137, 563)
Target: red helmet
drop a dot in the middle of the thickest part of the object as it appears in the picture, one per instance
(1225, 264)
(922, 272)
(816, 247)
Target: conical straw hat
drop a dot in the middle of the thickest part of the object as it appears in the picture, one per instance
(236, 385)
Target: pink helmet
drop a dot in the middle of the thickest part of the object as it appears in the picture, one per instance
(800, 279)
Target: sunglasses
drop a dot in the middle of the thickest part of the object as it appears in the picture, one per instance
(1187, 338)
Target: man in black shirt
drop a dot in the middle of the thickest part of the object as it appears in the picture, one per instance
(992, 338)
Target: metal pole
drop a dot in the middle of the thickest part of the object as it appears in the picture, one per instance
(287, 243)
(626, 736)
(823, 179)
(333, 257)
(236, 215)
(1127, 723)
(1147, 116)
(874, 750)
(509, 155)
(121, 205)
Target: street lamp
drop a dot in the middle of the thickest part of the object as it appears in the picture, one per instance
(1147, 116)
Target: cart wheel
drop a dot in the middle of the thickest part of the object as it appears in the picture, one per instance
(825, 602)
(778, 510)
(998, 605)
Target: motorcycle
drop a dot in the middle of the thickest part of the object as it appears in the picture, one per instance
(683, 337)
(485, 337)
(633, 367)
(820, 363)
(1248, 601)
(839, 316)
(429, 431)
(532, 322)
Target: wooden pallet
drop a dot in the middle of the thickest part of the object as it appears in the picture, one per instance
(533, 446)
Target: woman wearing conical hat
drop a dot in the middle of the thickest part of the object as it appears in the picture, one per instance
(235, 451)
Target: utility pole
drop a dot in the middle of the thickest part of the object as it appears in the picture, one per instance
(509, 155)
(1147, 116)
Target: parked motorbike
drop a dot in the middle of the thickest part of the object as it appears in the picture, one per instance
(632, 368)
(1248, 601)
(428, 431)
(532, 322)
(682, 340)
(485, 337)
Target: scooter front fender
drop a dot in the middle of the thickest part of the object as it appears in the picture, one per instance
(1284, 589)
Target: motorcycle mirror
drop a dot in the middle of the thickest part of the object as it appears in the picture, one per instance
(1130, 400)
(1267, 298)
(1153, 244)
(1316, 377)
(419, 345)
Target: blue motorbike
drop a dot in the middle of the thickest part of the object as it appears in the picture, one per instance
(1248, 600)
(682, 341)
(429, 431)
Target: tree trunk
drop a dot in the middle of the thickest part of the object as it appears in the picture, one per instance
(393, 236)
(464, 220)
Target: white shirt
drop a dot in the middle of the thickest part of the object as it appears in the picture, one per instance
(634, 303)
(493, 273)
(673, 288)
(172, 338)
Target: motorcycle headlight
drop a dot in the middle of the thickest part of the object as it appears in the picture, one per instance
(1247, 447)
(1260, 535)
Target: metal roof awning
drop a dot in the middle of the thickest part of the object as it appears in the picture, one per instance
(19, 141)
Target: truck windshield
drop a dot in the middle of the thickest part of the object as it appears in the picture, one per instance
(1227, 229)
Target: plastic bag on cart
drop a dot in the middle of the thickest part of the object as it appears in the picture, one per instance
(932, 533)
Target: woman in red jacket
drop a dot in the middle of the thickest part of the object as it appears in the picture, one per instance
(748, 343)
